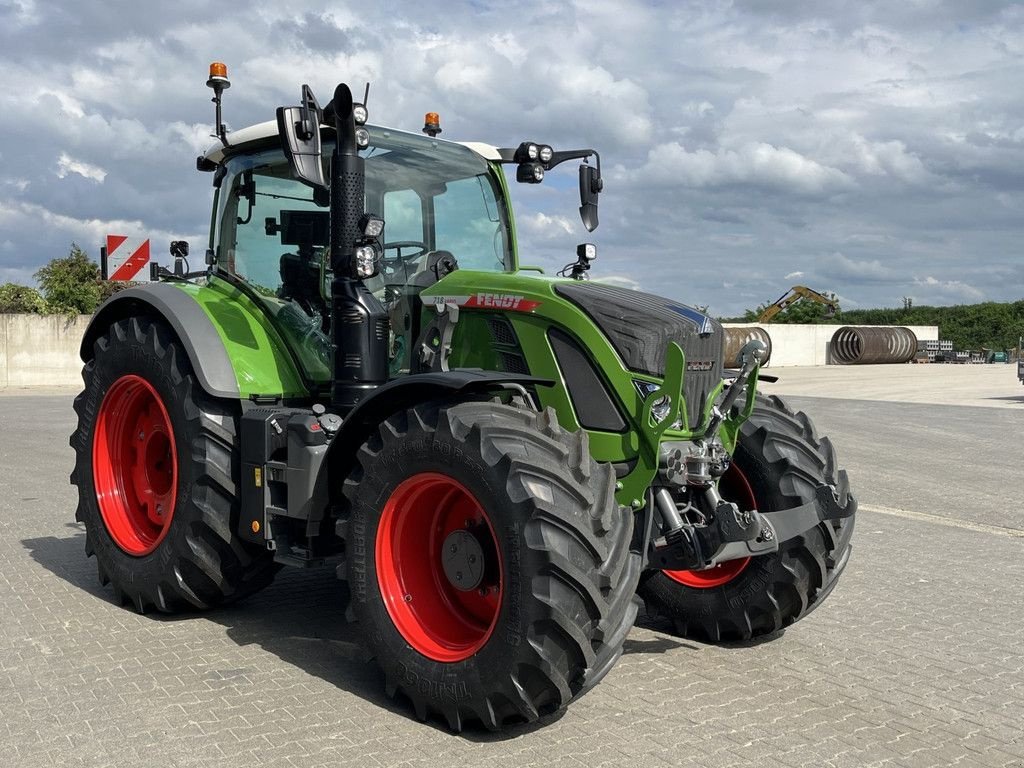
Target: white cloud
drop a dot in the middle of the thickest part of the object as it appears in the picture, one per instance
(759, 164)
(840, 268)
(541, 226)
(945, 290)
(794, 275)
(67, 164)
(88, 233)
(622, 281)
(748, 138)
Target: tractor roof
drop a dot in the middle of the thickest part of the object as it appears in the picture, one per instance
(262, 131)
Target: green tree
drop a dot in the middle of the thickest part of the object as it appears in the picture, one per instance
(71, 284)
(21, 299)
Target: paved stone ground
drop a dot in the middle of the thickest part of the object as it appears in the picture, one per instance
(917, 659)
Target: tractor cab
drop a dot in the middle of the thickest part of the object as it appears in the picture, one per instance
(444, 206)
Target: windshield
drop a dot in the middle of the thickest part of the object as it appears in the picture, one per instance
(437, 199)
(433, 197)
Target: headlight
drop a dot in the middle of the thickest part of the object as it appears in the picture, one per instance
(661, 408)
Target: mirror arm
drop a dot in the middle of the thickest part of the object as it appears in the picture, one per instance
(575, 154)
(508, 155)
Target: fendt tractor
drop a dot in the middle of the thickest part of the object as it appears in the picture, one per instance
(502, 465)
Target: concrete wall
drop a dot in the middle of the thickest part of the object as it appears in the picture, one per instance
(40, 350)
(808, 344)
(43, 350)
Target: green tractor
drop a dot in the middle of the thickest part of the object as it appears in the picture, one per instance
(502, 465)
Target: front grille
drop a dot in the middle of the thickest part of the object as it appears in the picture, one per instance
(502, 332)
(513, 363)
(640, 326)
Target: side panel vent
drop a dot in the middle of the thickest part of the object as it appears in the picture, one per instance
(595, 406)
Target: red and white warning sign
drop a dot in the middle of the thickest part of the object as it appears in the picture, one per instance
(127, 258)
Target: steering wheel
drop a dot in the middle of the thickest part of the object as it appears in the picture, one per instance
(420, 246)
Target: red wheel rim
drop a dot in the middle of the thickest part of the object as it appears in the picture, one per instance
(135, 465)
(438, 620)
(734, 487)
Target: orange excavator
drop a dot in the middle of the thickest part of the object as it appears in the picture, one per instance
(795, 294)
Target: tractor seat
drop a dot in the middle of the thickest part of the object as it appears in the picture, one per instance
(437, 265)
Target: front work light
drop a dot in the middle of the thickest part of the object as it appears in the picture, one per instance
(371, 225)
(545, 153)
(527, 152)
(359, 114)
(366, 261)
(362, 137)
(530, 173)
(586, 251)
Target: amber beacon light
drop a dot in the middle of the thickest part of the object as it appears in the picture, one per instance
(219, 75)
(432, 124)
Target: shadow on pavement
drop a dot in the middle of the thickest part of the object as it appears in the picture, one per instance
(1011, 398)
(300, 619)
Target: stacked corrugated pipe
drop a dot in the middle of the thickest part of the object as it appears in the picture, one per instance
(865, 345)
(736, 338)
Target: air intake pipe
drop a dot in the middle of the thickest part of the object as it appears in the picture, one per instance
(359, 323)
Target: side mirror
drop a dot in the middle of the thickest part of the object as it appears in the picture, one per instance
(299, 128)
(590, 187)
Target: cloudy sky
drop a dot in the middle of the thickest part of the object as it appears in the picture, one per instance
(871, 149)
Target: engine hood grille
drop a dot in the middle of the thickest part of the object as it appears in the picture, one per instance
(640, 326)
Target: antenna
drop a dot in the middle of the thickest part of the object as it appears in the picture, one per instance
(219, 83)
(366, 94)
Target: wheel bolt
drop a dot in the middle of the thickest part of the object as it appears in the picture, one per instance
(458, 575)
(483, 591)
(142, 435)
(472, 559)
(408, 598)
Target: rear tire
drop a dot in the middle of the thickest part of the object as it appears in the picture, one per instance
(148, 437)
(558, 571)
(782, 459)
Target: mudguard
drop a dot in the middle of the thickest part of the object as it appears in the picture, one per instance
(231, 343)
(187, 319)
(404, 392)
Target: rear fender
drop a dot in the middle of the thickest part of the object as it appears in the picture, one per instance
(232, 344)
(190, 323)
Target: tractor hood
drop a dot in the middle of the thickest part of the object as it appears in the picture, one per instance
(632, 328)
(640, 327)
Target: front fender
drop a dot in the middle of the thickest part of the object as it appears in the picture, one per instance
(402, 393)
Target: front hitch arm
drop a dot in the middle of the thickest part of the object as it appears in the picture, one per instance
(734, 533)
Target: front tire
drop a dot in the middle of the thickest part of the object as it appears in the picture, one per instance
(488, 562)
(779, 460)
(156, 469)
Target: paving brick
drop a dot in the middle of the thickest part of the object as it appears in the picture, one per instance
(914, 661)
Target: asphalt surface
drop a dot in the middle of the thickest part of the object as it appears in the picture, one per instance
(916, 659)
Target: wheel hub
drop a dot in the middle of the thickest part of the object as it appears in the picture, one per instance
(463, 560)
(135, 468)
(439, 567)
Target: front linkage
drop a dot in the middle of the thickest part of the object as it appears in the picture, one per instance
(696, 528)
